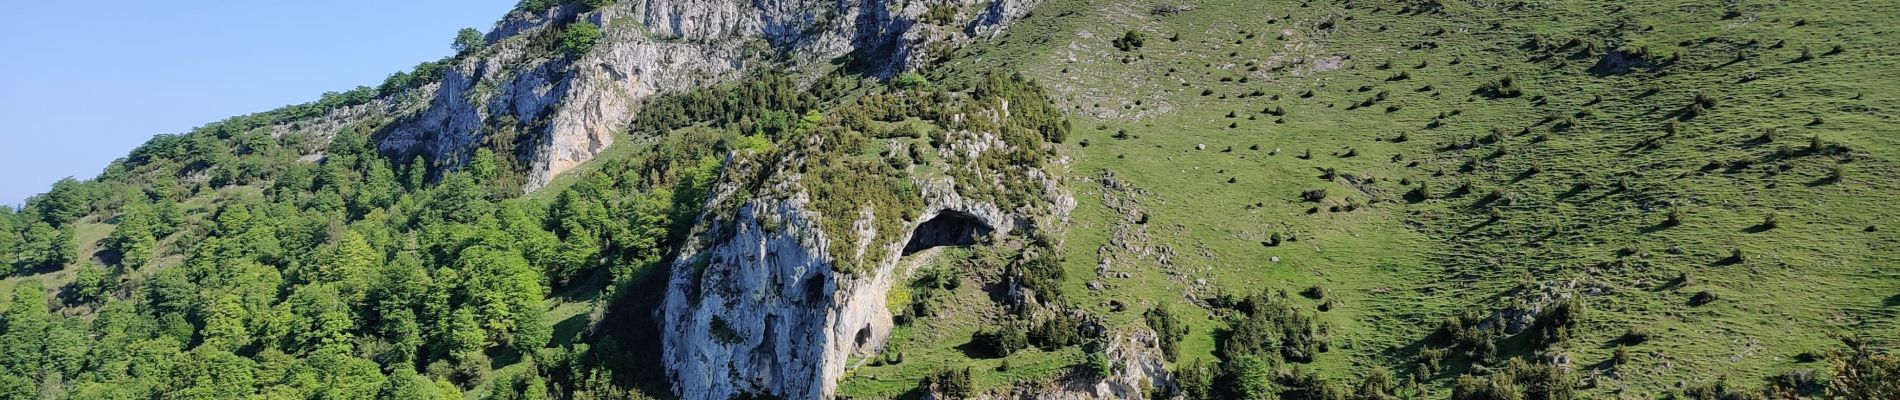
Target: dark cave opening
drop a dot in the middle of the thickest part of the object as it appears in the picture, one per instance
(864, 337)
(948, 228)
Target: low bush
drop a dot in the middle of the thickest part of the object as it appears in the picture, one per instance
(1000, 340)
(1313, 195)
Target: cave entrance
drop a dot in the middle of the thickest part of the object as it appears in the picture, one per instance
(948, 228)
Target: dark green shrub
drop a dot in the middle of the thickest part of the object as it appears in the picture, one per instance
(579, 38)
(1130, 41)
(1702, 297)
(1196, 381)
(1315, 292)
(1313, 195)
(950, 384)
(1000, 340)
(1168, 327)
(1555, 322)
(1634, 336)
(941, 14)
(1502, 88)
(1430, 359)
(1519, 379)
(467, 40)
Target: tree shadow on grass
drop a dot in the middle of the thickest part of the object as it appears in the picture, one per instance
(568, 330)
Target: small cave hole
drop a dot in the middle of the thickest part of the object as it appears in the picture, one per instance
(948, 228)
(864, 336)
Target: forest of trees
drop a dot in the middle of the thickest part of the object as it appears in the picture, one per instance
(232, 269)
(229, 262)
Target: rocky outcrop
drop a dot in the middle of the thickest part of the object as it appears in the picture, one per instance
(755, 302)
(758, 302)
(1136, 372)
(754, 305)
(567, 109)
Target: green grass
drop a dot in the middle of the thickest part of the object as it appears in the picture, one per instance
(1204, 175)
(938, 342)
(1398, 267)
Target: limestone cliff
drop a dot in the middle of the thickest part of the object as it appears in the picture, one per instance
(757, 302)
(762, 310)
(564, 109)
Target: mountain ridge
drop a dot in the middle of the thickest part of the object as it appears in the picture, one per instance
(1010, 199)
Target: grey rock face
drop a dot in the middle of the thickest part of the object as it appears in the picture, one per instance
(760, 309)
(571, 107)
(755, 305)
(1138, 369)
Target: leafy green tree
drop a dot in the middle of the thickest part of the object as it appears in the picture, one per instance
(214, 373)
(378, 190)
(1168, 328)
(466, 341)
(46, 246)
(32, 342)
(579, 38)
(1252, 377)
(416, 174)
(1862, 372)
(403, 284)
(9, 235)
(170, 291)
(63, 204)
(950, 384)
(457, 199)
(91, 282)
(1195, 381)
(224, 324)
(468, 40)
(135, 237)
(350, 266)
(23, 331)
(66, 348)
(1001, 341)
(156, 358)
(405, 383)
(404, 335)
(505, 294)
(465, 335)
(536, 6)
(321, 319)
(341, 376)
(910, 80)
(174, 326)
(233, 220)
(521, 386)
(15, 387)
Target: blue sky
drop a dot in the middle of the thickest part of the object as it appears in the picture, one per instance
(82, 85)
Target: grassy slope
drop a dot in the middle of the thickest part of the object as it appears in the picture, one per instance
(1399, 267)
(1396, 267)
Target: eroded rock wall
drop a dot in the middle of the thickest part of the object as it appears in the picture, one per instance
(754, 305)
(570, 107)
